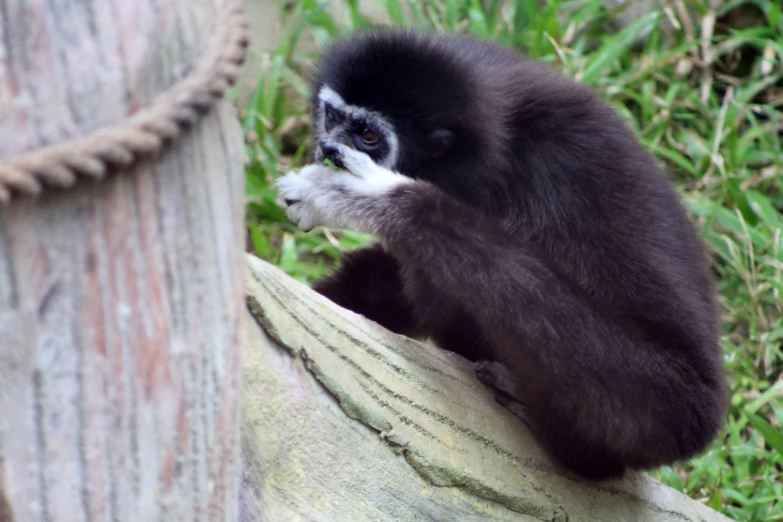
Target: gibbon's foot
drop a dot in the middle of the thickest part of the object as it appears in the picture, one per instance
(499, 378)
(495, 375)
(351, 199)
(514, 406)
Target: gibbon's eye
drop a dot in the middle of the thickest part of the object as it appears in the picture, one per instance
(369, 136)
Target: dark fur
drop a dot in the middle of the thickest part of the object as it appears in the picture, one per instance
(547, 239)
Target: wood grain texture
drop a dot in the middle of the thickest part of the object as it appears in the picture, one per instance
(343, 420)
(70, 67)
(120, 301)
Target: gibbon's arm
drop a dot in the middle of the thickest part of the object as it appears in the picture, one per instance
(600, 381)
(496, 277)
(493, 275)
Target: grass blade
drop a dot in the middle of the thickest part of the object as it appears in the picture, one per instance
(772, 436)
(615, 46)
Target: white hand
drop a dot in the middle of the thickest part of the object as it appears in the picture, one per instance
(352, 199)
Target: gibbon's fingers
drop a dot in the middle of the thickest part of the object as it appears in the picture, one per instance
(297, 191)
(303, 216)
(293, 186)
(340, 199)
(361, 165)
(356, 162)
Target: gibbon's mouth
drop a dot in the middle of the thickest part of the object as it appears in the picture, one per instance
(321, 158)
(328, 151)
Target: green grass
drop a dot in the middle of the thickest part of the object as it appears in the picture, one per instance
(705, 97)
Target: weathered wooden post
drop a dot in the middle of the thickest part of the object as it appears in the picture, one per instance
(121, 260)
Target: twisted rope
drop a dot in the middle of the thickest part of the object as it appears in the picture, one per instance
(143, 134)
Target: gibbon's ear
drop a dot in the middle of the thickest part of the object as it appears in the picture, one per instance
(440, 139)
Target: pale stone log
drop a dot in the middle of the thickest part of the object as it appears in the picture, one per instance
(345, 421)
(122, 300)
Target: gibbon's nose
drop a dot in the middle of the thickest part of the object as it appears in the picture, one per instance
(330, 151)
(327, 147)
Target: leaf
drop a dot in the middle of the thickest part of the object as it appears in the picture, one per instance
(763, 208)
(395, 12)
(613, 47)
(676, 158)
(739, 199)
(772, 436)
(773, 391)
(778, 286)
(478, 21)
(741, 465)
(717, 500)
(727, 219)
(698, 472)
(260, 242)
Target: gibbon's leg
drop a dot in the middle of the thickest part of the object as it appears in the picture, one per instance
(460, 334)
(446, 323)
(601, 393)
(500, 379)
(368, 283)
